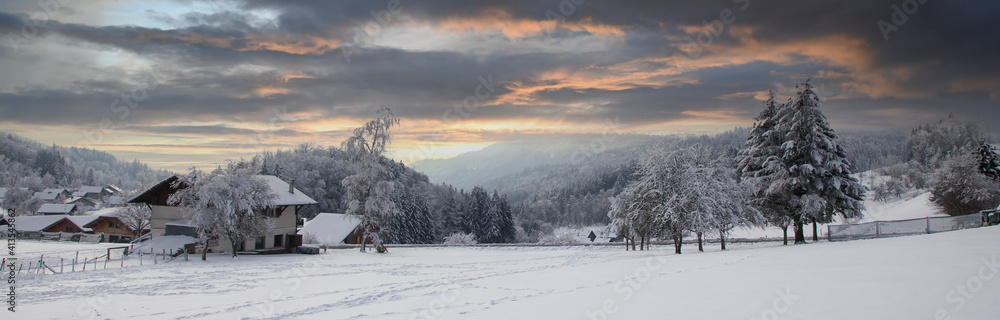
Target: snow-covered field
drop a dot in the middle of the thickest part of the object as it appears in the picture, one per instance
(914, 277)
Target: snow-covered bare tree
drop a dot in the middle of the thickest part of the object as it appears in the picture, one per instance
(135, 216)
(369, 191)
(959, 186)
(232, 203)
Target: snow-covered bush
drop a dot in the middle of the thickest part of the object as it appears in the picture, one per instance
(310, 238)
(562, 235)
(460, 239)
(959, 188)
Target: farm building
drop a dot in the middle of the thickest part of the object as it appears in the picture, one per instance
(332, 229)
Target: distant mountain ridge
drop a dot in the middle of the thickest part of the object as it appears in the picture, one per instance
(518, 153)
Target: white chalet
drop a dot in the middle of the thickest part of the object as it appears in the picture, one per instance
(171, 220)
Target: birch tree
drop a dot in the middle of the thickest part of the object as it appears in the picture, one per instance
(370, 189)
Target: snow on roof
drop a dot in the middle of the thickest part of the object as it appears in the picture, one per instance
(331, 228)
(111, 212)
(181, 223)
(55, 190)
(56, 208)
(91, 189)
(116, 200)
(81, 221)
(76, 199)
(36, 223)
(285, 198)
(46, 195)
(79, 193)
(113, 188)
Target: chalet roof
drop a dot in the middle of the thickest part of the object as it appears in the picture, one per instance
(90, 189)
(76, 199)
(82, 221)
(47, 195)
(36, 223)
(113, 189)
(278, 187)
(80, 194)
(285, 198)
(331, 228)
(56, 208)
(55, 190)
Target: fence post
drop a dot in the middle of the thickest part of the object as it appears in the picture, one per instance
(153, 255)
(878, 230)
(928, 225)
(60, 265)
(85, 263)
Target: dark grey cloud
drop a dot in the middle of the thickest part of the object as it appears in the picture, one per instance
(943, 42)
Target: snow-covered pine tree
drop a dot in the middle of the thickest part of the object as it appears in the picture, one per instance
(757, 169)
(819, 176)
(369, 190)
(227, 203)
(989, 163)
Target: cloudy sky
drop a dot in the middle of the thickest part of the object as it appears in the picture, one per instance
(181, 83)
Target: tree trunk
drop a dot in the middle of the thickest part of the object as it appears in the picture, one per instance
(700, 247)
(800, 235)
(784, 229)
(626, 242)
(204, 251)
(677, 244)
(722, 239)
(364, 238)
(633, 244)
(235, 245)
(642, 243)
(815, 235)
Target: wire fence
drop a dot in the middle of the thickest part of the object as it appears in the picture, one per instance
(898, 228)
(91, 259)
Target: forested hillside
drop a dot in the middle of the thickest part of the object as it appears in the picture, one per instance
(27, 163)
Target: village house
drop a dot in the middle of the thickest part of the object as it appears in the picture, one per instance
(167, 220)
(104, 222)
(56, 209)
(53, 195)
(92, 192)
(82, 203)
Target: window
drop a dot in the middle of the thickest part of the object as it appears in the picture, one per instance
(258, 243)
(277, 240)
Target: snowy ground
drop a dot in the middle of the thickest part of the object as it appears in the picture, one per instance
(896, 278)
